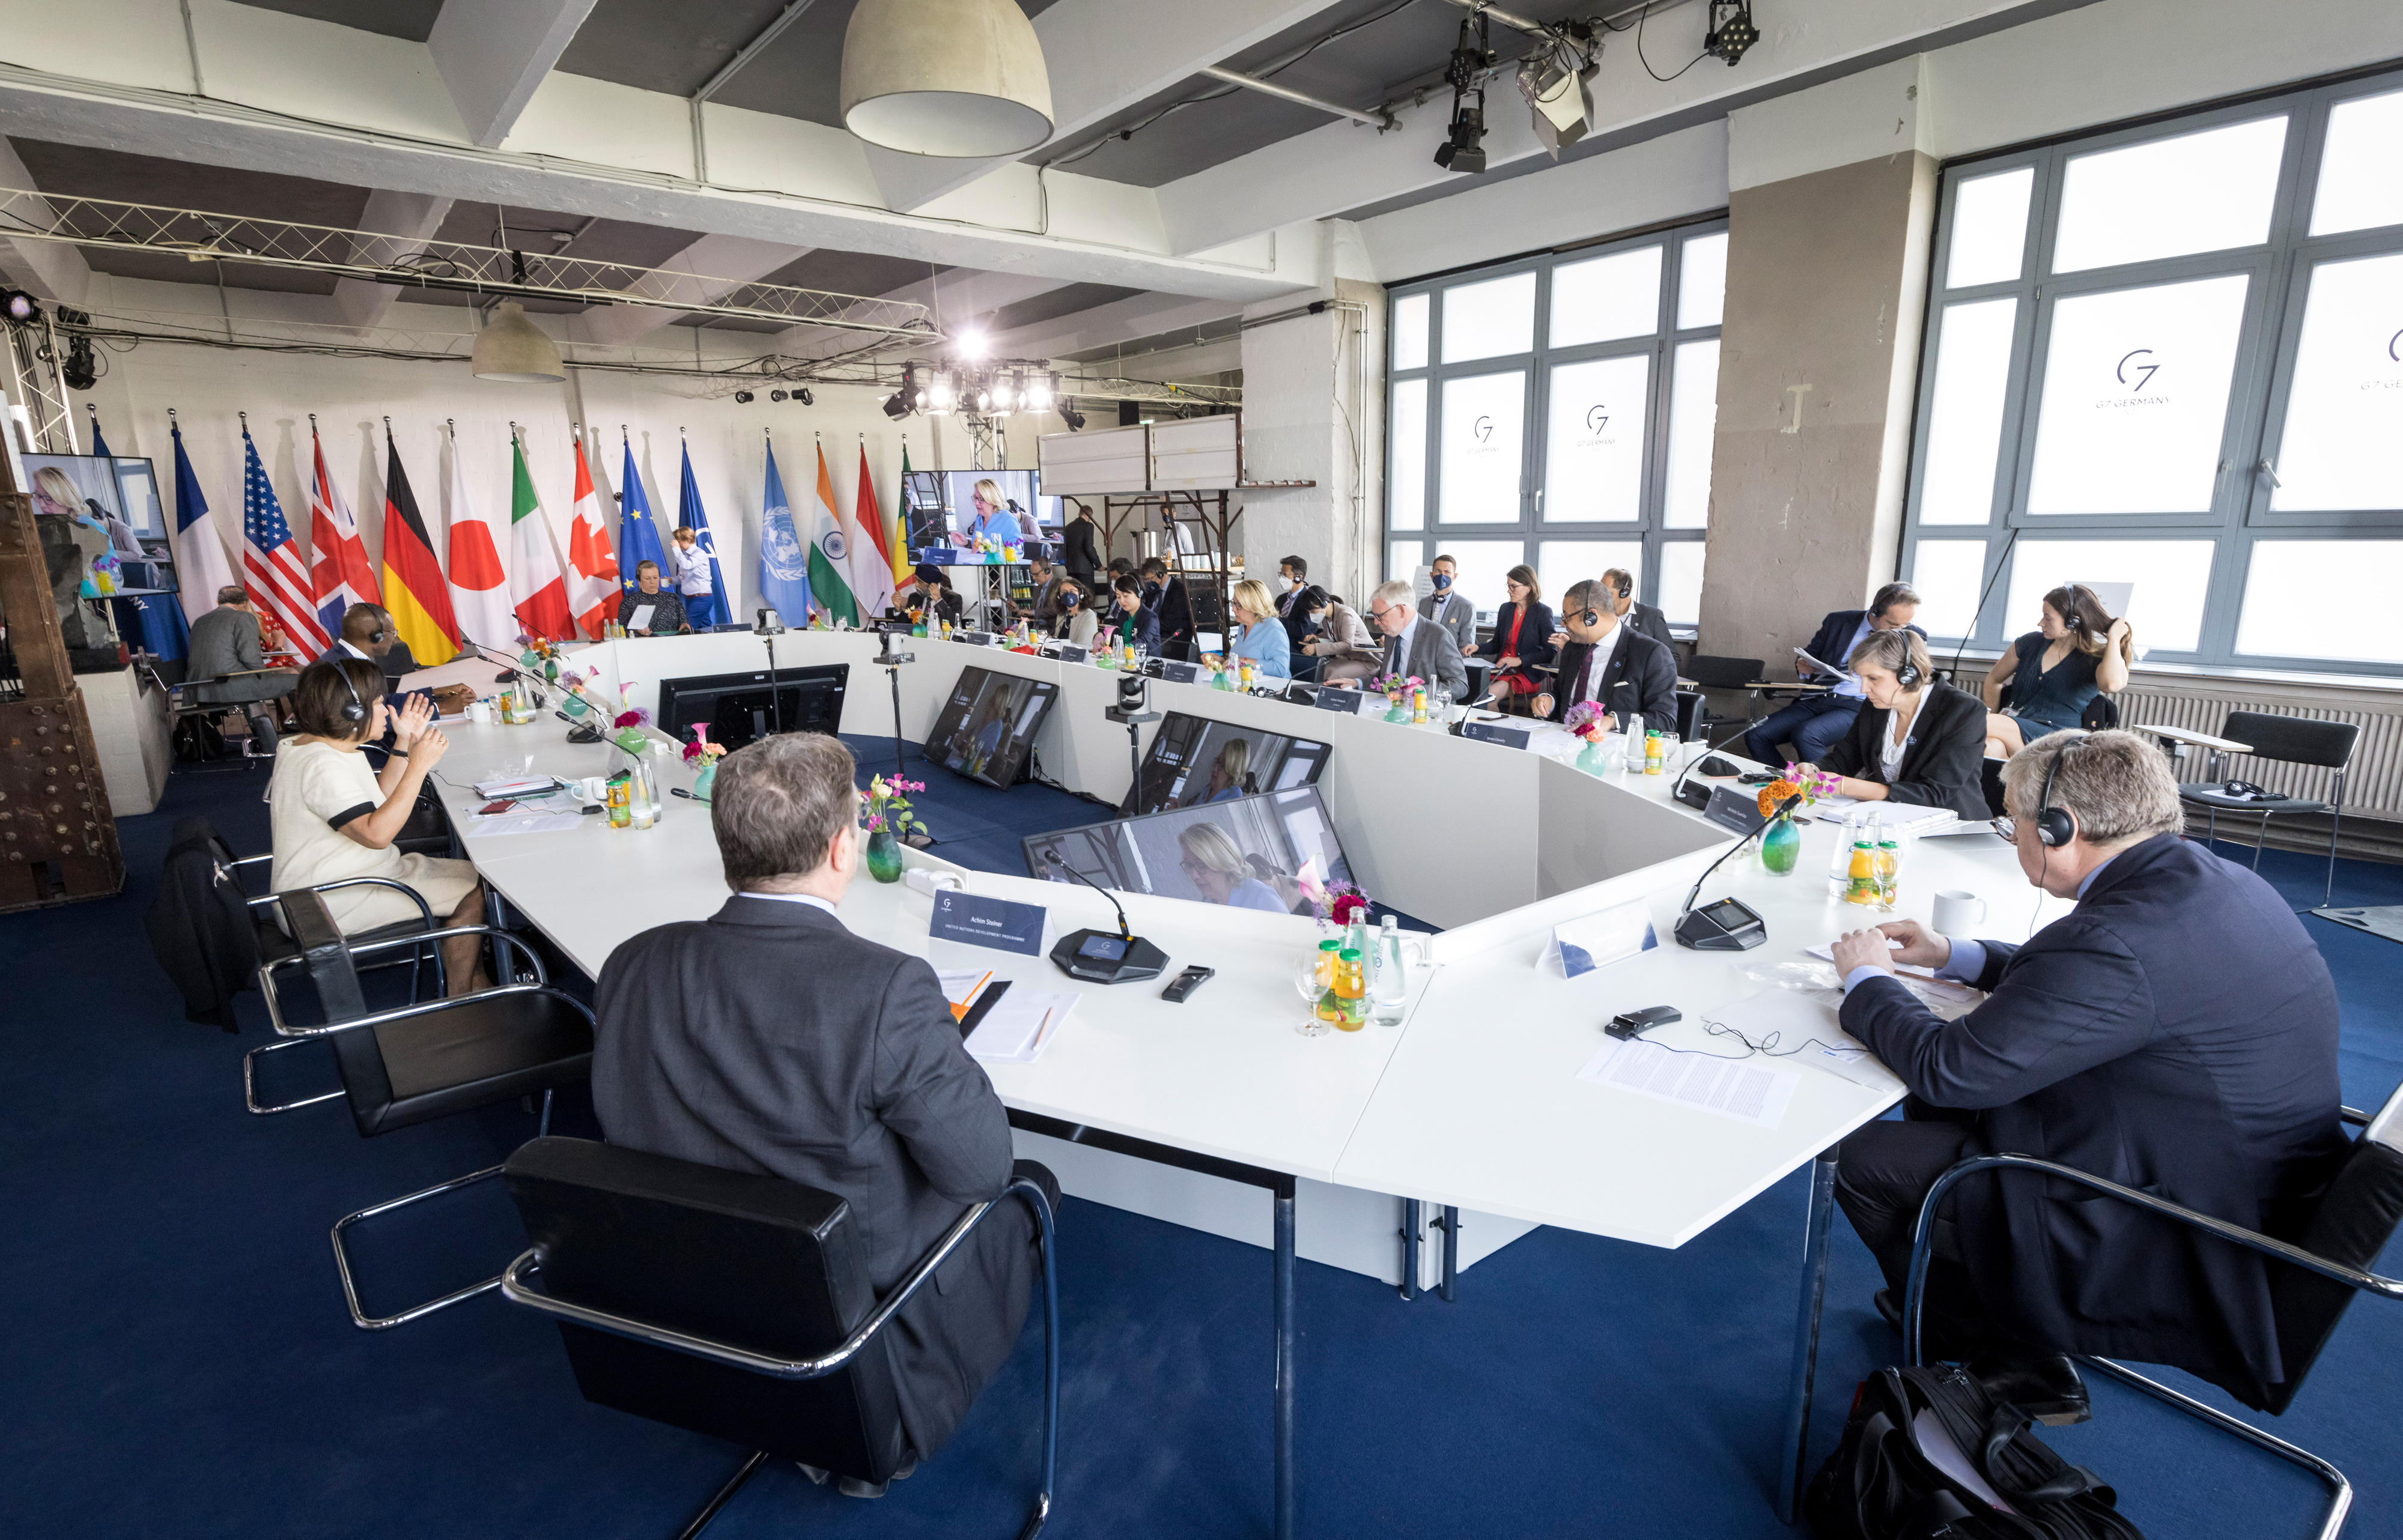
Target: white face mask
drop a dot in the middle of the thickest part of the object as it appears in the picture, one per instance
(1285, 584)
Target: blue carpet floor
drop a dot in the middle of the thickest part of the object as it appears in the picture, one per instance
(177, 1363)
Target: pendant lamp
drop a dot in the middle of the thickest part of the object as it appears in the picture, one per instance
(947, 77)
(513, 349)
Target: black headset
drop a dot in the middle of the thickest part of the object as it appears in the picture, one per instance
(2054, 827)
(1908, 676)
(355, 709)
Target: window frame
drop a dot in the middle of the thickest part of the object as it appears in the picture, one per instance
(2239, 516)
(1533, 529)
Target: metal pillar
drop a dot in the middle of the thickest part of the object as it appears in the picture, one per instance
(1813, 1294)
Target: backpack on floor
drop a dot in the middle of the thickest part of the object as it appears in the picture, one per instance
(1883, 1484)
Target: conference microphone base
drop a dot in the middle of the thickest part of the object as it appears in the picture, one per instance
(1726, 925)
(1106, 957)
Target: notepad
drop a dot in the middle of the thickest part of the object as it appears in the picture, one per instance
(1744, 1089)
(514, 785)
(641, 619)
(1021, 1025)
(523, 822)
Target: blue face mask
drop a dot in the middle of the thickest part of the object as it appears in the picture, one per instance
(1442, 581)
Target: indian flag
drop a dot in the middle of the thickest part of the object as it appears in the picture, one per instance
(538, 584)
(829, 552)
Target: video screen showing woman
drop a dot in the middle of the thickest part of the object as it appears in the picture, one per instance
(1244, 853)
(1194, 761)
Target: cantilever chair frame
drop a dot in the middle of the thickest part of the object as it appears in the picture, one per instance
(517, 1288)
(267, 971)
(293, 1035)
(1922, 1247)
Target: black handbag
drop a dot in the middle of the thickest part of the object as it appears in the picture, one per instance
(1882, 1485)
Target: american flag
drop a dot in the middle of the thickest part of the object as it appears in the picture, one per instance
(271, 564)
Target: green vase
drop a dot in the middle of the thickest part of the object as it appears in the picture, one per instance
(573, 705)
(1397, 709)
(883, 855)
(1779, 845)
(1594, 759)
(702, 783)
(633, 741)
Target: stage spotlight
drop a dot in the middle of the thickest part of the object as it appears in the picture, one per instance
(940, 393)
(897, 406)
(801, 394)
(1732, 30)
(1073, 418)
(1554, 86)
(1006, 392)
(972, 344)
(1039, 388)
(743, 397)
(1462, 150)
(19, 306)
(775, 395)
(984, 400)
(79, 371)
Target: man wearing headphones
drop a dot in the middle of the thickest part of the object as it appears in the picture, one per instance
(2175, 1033)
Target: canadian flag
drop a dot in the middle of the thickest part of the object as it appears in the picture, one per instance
(480, 588)
(592, 589)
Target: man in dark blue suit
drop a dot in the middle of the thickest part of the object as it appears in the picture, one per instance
(2175, 1033)
(1819, 720)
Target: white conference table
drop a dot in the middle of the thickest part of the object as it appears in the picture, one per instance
(1472, 1104)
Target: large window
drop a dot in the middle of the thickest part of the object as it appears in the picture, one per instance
(2172, 357)
(1558, 411)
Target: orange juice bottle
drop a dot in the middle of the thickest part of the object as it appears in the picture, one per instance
(1351, 992)
(1860, 877)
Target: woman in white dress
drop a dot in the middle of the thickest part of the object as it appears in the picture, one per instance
(334, 817)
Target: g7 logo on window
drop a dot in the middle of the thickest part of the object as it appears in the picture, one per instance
(2391, 344)
(2144, 372)
(1597, 417)
(1483, 429)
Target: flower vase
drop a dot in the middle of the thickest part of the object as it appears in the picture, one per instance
(1595, 758)
(1397, 709)
(572, 705)
(883, 855)
(702, 782)
(1780, 844)
(633, 741)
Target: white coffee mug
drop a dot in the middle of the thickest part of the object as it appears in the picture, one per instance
(479, 712)
(593, 788)
(1958, 912)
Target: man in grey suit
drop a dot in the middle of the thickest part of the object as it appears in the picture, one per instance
(225, 641)
(1415, 644)
(1450, 608)
(770, 1039)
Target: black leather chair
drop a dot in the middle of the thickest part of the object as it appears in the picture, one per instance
(429, 1059)
(2284, 739)
(735, 1305)
(2328, 1266)
(1725, 674)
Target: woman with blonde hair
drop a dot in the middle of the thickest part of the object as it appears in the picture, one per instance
(1215, 865)
(2051, 674)
(1231, 777)
(1256, 632)
(994, 519)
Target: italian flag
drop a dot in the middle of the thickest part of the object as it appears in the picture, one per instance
(593, 594)
(538, 587)
(829, 552)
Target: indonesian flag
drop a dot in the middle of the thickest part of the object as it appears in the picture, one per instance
(341, 574)
(272, 567)
(537, 583)
(480, 587)
(592, 589)
(872, 557)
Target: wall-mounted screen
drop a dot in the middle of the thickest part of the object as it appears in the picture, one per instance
(1193, 760)
(943, 508)
(986, 729)
(1246, 853)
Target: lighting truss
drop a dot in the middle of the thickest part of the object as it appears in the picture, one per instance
(414, 262)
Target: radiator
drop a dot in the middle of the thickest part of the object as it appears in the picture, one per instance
(2373, 790)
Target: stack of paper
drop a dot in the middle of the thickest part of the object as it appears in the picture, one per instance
(515, 786)
(1019, 1024)
(1724, 1086)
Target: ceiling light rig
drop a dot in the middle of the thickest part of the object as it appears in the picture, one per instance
(1731, 30)
(1463, 149)
(988, 389)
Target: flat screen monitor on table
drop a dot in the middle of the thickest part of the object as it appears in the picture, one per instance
(741, 707)
(1245, 853)
(986, 728)
(1193, 760)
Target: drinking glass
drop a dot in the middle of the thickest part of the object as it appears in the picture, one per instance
(1307, 984)
(1440, 705)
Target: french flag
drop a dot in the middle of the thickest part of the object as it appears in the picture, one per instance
(342, 575)
(272, 566)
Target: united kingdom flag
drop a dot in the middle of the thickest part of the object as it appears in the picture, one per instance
(271, 564)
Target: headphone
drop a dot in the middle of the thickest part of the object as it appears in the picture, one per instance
(1907, 675)
(355, 711)
(2054, 827)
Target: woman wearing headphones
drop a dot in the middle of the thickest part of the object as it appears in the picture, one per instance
(2056, 670)
(1916, 740)
(334, 818)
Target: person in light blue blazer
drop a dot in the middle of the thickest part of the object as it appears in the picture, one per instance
(1259, 634)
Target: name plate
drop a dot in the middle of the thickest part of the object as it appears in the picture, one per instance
(1593, 941)
(1495, 732)
(1070, 655)
(973, 638)
(1736, 811)
(1336, 698)
(982, 921)
(1180, 674)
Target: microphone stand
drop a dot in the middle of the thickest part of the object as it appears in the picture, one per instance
(1686, 908)
(1126, 932)
(765, 627)
(891, 661)
(1985, 593)
(1677, 789)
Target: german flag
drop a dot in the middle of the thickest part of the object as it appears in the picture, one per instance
(413, 589)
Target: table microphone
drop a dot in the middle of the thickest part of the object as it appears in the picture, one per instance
(1730, 924)
(1101, 958)
(1678, 789)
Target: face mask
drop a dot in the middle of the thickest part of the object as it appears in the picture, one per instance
(1318, 619)
(1285, 584)
(1442, 581)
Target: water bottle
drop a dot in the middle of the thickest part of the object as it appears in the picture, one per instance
(1840, 870)
(1389, 984)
